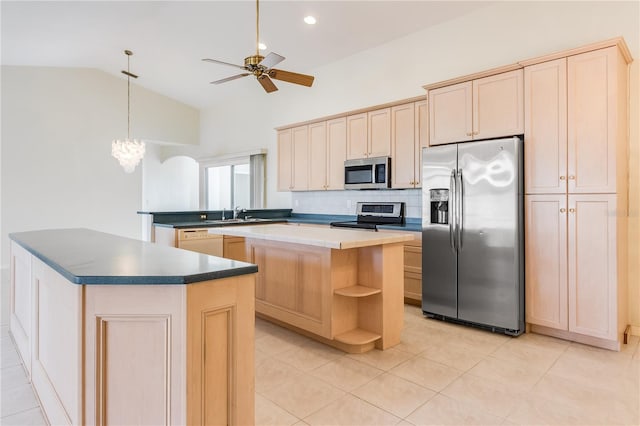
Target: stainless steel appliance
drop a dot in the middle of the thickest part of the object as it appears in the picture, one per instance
(472, 234)
(367, 173)
(370, 215)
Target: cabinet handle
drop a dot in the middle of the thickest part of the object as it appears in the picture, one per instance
(562, 210)
(572, 177)
(572, 210)
(562, 177)
(474, 133)
(469, 134)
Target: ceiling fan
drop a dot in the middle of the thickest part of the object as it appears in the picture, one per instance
(261, 67)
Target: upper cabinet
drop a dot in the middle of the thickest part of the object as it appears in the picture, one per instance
(545, 127)
(327, 152)
(575, 124)
(408, 137)
(596, 113)
(311, 157)
(369, 134)
(293, 149)
(479, 109)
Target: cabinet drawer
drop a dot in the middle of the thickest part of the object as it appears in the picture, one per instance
(413, 259)
(413, 286)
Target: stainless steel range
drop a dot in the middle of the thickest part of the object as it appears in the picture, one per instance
(370, 215)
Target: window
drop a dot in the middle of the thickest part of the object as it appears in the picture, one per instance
(233, 181)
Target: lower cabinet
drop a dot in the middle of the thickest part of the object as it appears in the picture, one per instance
(233, 248)
(413, 270)
(575, 267)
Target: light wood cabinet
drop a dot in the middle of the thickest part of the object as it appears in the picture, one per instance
(408, 136)
(546, 260)
(285, 160)
(576, 202)
(194, 239)
(369, 134)
(545, 127)
(21, 302)
(234, 248)
(413, 270)
(574, 124)
(327, 152)
(596, 86)
(293, 150)
(484, 108)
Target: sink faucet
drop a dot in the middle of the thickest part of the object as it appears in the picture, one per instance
(236, 211)
(224, 215)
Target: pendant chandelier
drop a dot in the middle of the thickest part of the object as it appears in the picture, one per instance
(128, 152)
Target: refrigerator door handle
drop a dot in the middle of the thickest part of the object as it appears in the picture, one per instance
(460, 209)
(452, 208)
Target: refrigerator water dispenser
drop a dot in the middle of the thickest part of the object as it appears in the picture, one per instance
(439, 206)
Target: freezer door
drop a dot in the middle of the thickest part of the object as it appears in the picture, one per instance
(490, 254)
(439, 288)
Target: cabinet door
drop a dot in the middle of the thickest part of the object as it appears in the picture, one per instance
(546, 260)
(403, 146)
(285, 160)
(450, 112)
(379, 133)
(421, 122)
(317, 160)
(21, 300)
(592, 97)
(357, 136)
(300, 141)
(498, 105)
(336, 152)
(592, 265)
(545, 127)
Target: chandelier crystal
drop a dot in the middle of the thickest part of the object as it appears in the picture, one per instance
(128, 152)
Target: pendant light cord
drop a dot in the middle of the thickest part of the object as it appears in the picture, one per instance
(257, 28)
(128, 97)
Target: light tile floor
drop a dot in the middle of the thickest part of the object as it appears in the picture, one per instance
(441, 374)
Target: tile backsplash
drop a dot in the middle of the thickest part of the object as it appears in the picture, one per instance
(344, 202)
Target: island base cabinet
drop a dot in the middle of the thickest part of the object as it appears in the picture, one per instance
(56, 336)
(220, 352)
(179, 354)
(351, 299)
(20, 307)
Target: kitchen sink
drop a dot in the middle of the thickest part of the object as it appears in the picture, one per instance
(236, 221)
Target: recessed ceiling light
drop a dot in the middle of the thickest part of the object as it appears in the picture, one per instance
(262, 46)
(310, 20)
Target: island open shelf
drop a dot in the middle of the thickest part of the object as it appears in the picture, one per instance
(340, 286)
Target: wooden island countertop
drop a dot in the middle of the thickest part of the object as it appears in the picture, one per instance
(313, 236)
(343, 287)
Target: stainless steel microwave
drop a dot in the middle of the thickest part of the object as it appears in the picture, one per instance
(367, 173)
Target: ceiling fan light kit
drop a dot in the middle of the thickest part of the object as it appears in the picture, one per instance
(128, 152)
(262, 66)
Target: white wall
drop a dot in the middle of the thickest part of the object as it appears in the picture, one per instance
(171, 184)
(57, 128)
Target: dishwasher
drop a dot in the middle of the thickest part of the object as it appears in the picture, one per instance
(201, 241)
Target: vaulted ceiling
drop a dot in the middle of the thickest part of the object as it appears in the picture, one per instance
(169, 39)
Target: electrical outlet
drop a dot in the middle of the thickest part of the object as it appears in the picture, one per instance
(349, 204)
(296, 203)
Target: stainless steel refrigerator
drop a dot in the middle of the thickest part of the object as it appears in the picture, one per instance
(473, 234)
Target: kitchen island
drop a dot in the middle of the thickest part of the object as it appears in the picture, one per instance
(342, 287)
(113, 330)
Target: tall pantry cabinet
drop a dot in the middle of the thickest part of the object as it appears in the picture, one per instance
(576, 195)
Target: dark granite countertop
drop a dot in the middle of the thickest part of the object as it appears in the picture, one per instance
(84, 256)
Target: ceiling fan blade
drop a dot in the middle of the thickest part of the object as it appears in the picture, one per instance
(233, 77)
(271, 59)
(215, 61)
(267, 84)
(291, 77)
